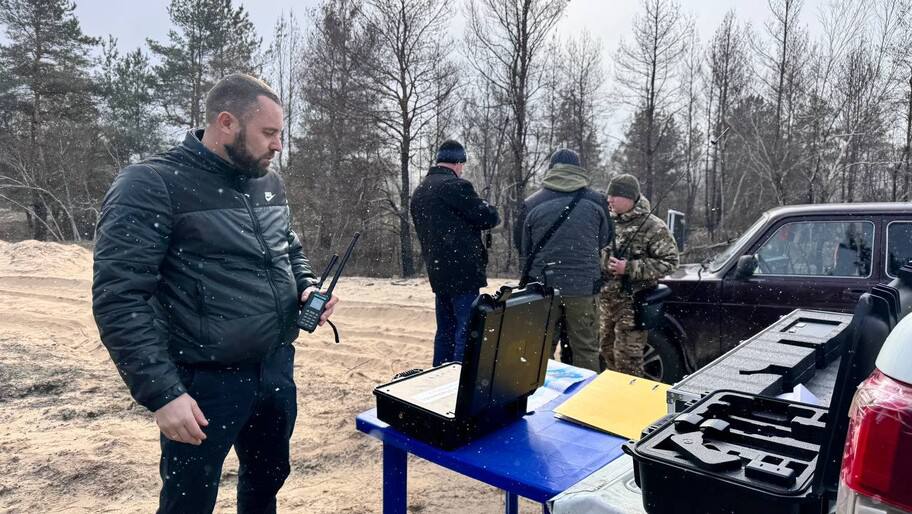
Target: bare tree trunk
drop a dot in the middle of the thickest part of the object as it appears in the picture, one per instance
(786, 17)
(693, 70)
(906, 157)
(646, 68)
(405, 231)
(414, 80)
(650, 104)
(506, 39)
(197, 88)
(39, 208)
(709, 175)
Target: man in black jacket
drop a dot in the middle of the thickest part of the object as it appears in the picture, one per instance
(449, 217)
(573, 250)
(196, 287)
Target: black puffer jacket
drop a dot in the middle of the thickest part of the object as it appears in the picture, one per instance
(195, 262)
(449, 217)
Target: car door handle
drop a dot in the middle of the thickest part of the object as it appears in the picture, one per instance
(853, 293)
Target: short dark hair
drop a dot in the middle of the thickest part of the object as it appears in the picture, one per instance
(236, 94)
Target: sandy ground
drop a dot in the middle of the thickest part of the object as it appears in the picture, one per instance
(72, 440)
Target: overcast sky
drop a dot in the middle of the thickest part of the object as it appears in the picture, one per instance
(607, 20)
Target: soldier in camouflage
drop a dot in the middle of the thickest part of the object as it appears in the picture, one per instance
(643, 252)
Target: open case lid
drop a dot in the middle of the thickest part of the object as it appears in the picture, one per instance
(509, 339)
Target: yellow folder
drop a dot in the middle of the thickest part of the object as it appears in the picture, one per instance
(616, 403)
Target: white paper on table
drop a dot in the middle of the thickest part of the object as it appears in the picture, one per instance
(541, 396)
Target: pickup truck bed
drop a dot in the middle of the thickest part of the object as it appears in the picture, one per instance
(612, 489)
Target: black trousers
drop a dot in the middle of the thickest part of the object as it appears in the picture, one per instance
(251, 407)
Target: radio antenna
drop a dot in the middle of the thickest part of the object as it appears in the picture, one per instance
(348, 252)
(329, 267)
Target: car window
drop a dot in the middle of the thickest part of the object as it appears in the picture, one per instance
(899, 246)
(720, 259)
(818, 248)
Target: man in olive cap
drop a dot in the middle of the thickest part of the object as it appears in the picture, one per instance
(643, 252)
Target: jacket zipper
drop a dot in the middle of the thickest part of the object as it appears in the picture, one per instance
(267, 262)
(204, 314)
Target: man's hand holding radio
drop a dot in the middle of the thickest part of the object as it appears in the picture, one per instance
(330, 305)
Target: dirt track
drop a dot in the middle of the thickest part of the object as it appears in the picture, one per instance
(72, 440)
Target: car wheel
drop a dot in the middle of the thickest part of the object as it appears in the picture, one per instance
(662, 361)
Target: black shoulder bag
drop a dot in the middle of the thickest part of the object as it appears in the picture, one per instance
(649, 307)
(547, 237)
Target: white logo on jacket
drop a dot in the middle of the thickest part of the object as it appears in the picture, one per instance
(269, 196)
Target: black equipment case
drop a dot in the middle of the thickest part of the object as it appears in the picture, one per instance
(506, 356)
(732, 452)
(741, 452)
(802, 347)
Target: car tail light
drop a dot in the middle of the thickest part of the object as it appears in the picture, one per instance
(876, 471)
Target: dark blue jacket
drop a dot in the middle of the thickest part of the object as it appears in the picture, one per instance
(575, 249)
(195, 263)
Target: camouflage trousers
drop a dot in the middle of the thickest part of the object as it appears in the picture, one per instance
(622, 344)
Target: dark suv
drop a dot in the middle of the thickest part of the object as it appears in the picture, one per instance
(810, 256)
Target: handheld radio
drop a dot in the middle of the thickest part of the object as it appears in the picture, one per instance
(313, 308)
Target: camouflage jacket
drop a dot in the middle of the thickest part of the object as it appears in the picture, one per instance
(650, 251)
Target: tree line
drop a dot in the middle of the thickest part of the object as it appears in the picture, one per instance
(755, 117)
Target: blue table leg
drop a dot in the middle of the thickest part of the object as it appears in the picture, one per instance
(512, 502)
(395, 479)
(545, 509)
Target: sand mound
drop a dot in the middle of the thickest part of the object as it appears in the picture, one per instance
(45, 259)
(71, 439)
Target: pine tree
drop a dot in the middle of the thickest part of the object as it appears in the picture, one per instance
(663, 149)
(581, 79)
(47, 85)
(646, 69)
(132, 125)
(213, 39)
(338, 142)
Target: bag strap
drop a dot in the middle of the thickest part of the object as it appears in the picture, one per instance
(547, 237)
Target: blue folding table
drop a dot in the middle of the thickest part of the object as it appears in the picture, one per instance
(536, 457)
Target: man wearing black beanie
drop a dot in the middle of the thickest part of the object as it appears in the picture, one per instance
(449, 217)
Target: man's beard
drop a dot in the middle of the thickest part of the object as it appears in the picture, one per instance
(243, 159)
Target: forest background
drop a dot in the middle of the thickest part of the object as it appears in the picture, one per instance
(758, 115)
